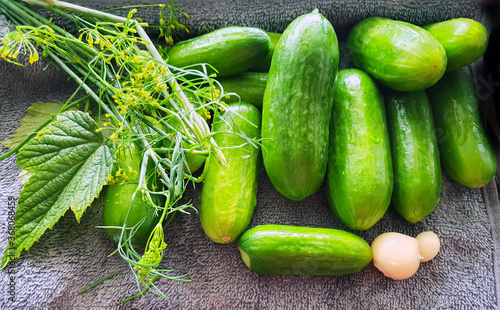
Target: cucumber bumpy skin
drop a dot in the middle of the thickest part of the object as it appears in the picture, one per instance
(465, 150)
(297, 106)
(415, 154)
(399, 55)
(229, 193)
(359, 180)
(229, 50)
(295, 250)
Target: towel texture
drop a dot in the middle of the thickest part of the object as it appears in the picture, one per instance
(464, 275)
(275, 15)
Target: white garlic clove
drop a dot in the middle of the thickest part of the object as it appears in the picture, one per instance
(396, 255)
(428, 243)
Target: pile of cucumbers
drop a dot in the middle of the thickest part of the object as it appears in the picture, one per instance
(373, 134)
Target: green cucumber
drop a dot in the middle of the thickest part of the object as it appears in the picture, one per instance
(397, 54)
(360, 178)
(229, 193)
(229, 50)
(297, 106)
(294, 250)
(415, 154)
(193, 161)
(249, 86)
(463, 39)
(265, 64)
(466, 152)
(125, 204)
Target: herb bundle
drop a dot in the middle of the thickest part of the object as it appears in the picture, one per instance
(141, 100)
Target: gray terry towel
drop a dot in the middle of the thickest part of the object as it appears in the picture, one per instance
(464, 275)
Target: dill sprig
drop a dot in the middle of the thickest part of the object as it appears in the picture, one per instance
(115, 62)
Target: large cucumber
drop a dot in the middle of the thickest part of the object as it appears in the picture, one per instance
(229, 50)
(415, 155)
(399, 55)
(360, 178)
(250, 87)
(265, 64)
(229, 193)
(463, 39)
(465, 150)
(294, 250)
(297, 106)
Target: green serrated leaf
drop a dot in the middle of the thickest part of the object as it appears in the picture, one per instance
(69, 164)
(38, 113)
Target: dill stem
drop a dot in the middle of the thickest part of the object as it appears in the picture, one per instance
(144, 290)
(38, 20)
(195, 121)
(80, 82)
(134, 7)
(79, 9)
(14, 9)
(91, 286)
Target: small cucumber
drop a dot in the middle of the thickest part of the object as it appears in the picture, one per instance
(229, 193)
(297, 106)
(360, 178)
(397, 54)
(415, 154)
(229, 50)
(465, 150)
(265, 64)
(463, 39)
(125, 204)
(294, 250)
(250, 86)
(193, 162)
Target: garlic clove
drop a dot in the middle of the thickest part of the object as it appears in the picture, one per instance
(428, 244)
(396, 255)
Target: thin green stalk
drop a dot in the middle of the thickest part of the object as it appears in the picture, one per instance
(29, 15)
(8, 13)
(173, 83)
(79, 9)
(204, 172)
(141, 293)
(100, 281)
(195, 118)
(136, 92)
(44, 20)
(13, 8)
(80, 82)
(140, 31)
